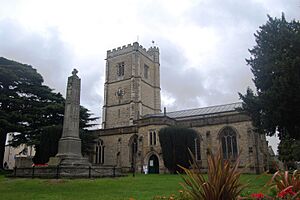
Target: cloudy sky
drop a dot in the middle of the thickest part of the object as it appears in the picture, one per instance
(203, 43)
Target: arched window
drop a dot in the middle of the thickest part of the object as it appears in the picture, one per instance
(99, 152)
(229, 143)
(197, 152)
(152, 138)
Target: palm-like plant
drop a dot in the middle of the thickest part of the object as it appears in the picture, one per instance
(282, 180)
(222, 182)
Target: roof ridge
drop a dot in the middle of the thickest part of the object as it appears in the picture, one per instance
(205, 107)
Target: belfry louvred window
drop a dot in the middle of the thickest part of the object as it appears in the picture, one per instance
(120, 69)
(146, 71)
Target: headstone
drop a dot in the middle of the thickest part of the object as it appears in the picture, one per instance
(69, 147)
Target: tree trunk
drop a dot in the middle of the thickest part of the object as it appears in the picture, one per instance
(2, 147)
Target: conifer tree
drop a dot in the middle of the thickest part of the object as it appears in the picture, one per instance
(175, 144)
(275, 64)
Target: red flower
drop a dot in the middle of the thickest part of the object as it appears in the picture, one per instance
(257, 196)
(286, 191)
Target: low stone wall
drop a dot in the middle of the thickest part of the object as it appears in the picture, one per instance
(23, 161)
(67, 172)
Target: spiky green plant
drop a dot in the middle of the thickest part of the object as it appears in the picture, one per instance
(222, 182)
(282, 180)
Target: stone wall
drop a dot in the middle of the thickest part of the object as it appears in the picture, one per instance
(67, 172)
(112, 65)
(113, 99)
(118, 115)
(114, 144)
(251, 146)
(148, 97)
(211, 140)
(147, 150)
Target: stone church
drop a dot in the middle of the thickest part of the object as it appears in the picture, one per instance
(132, 118)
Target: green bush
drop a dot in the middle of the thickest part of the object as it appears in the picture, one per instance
(175, 142)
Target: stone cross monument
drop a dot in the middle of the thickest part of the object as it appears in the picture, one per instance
(69, 147)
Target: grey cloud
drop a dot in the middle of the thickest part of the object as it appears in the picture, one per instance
(224, 73)
(53, 59)
(92, 82)
(184, 84)
(290, 8)
(234, 13)
(230, 76)
(217, 81)
(153, 14)
(46, 52)
(221, 14)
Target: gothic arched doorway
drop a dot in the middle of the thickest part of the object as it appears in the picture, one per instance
(153, 165)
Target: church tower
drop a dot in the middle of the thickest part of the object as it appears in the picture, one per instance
(132, 85)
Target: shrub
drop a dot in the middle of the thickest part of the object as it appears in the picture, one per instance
(286, 184)
(175, 142)
(222, 183)
(281, 180)
(283, 186)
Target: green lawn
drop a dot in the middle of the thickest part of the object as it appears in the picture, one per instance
(139, 187)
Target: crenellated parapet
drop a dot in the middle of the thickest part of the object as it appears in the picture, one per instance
(154, 48)
(120, 50)
(154, 53)
(151, 53)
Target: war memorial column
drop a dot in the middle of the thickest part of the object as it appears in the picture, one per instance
(69, 147)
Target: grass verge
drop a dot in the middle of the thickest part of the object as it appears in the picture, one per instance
(141, 187)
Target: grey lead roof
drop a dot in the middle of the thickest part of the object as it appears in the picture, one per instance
(201, 111)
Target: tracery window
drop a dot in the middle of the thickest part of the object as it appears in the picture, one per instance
(229, 143)
(99, 152)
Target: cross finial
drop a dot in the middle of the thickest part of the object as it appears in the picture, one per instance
(74, 72)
